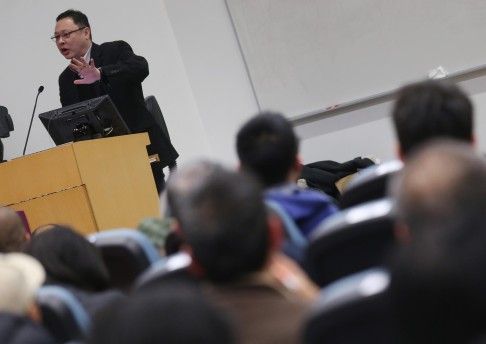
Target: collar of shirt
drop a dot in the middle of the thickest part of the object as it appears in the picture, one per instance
(87, 56)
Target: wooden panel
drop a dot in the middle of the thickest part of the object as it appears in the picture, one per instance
(118, 179)
(38, 174)
(114, 174)
(69, 207)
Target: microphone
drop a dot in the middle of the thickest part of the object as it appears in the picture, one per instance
(39, 91)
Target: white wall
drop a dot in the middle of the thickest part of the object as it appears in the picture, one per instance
(215, 69)
(197, 74)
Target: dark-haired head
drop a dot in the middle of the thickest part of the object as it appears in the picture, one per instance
(431, 109)
(69, 258)
(78, 17)
(267, 146)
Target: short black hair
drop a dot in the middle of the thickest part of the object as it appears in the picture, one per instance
(224, 221)
(267, 146)
(78, 17)
(431, 109)
(69, 258)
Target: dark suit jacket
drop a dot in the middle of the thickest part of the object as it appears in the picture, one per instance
(122, 76)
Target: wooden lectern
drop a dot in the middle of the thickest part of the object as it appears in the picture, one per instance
(90, 185)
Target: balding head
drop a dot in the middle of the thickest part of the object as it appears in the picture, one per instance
(223, 219)
(188, 178)
(441, 187)
(12, 231)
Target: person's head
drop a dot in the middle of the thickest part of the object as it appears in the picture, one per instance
(268, 147)
(20, 277)
(13, 234)
(181, 184)
(43, 228)
(192, 175)
(431, 109)
(440, 186)
(69, 258)
(72, 34)
(167, 315)
(223, 220)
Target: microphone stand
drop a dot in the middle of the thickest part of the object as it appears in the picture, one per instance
(32, 118)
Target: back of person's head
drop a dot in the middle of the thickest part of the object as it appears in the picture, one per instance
(431, 109)
(267, 146)
(165, 315)
(44, 228)
(441, 185)
(69, 258)
(184, 181)
(179, 186)
(12, 231)
(20, 277)
(437, 285)
(223, 220)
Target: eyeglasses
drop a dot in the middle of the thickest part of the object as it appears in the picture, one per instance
(65, 35)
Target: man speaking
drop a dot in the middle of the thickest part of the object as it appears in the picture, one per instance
(111, 69)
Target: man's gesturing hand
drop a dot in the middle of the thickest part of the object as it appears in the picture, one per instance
(88, 72)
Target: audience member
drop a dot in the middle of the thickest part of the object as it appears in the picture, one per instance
(233, 241)
(431, 109)
(20, 317)
(437, 287)
(439, 186)
(43, 228)
(157, 230)
(73, 262)
(423, 111)
(13, 235)
(268, 147)
(190, 179)
(168, 315)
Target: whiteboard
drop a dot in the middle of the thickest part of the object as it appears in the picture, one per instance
(304, 56)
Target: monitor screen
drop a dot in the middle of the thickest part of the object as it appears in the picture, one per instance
(89, 119)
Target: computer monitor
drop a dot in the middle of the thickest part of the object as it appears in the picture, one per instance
(89, 119)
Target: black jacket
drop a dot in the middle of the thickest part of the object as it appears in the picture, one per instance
(15, 329)
(323, 175)
(122, 76)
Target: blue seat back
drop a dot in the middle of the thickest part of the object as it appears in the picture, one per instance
(354, 309)
(352, 240)
(62, 314)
